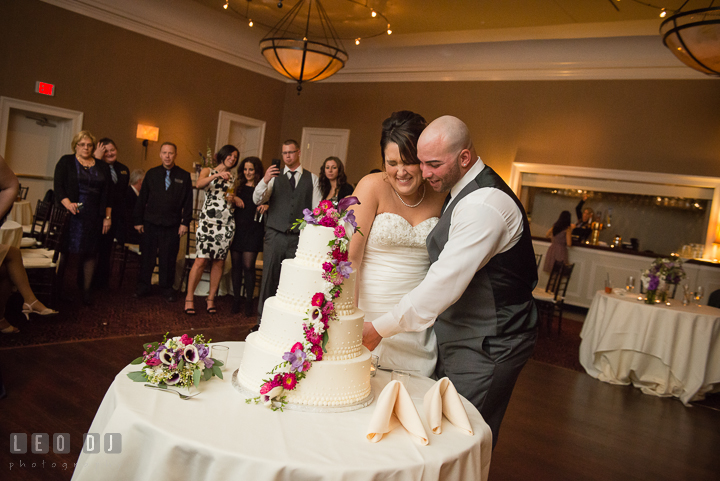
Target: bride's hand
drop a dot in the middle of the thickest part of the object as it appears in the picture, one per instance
(371, 338)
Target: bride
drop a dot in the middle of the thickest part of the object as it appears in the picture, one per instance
(397, 212)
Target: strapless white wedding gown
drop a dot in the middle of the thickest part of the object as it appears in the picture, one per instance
(395, 262)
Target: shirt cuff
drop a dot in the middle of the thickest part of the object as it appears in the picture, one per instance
(386, 325)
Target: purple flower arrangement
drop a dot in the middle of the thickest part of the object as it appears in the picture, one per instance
(180, 361)
(299, 360)
(662, 272)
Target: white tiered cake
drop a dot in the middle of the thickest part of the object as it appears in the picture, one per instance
(342, 377)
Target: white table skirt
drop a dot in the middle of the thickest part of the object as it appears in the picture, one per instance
(217, 436)
(21, 212)
(11, 233)
(663, 350)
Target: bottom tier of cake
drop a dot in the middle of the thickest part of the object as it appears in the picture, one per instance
(328, 383)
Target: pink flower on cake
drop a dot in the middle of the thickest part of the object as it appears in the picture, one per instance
(328, 221)
(325, 205)
(317, 350)
(318, 299)
(327, 266)
(296, 346)
(289, 381)
(266, 387)
(317, 211)
(339, 232)
(339, 256)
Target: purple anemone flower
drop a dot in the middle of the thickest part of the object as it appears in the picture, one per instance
(296, 359)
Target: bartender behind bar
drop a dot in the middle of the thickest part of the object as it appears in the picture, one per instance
(585, 218)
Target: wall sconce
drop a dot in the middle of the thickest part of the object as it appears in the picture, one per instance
(147, 133)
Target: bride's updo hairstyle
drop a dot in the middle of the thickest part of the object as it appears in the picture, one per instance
(402, 128)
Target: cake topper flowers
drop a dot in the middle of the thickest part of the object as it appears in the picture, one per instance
(180, 361)
(299, 360)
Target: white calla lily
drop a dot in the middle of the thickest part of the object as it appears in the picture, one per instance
(191, 354)
(166, 357)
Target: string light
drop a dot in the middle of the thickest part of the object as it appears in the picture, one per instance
(250, 23)
(373, 14)
(663, 13)
(389, 31)
(357, 41)
(226, 4)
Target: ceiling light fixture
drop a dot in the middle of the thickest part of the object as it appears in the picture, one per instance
(309, 58)
(692, 36)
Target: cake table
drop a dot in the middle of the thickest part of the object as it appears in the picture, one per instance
(216, 435)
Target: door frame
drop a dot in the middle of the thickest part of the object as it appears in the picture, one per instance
(223, 130)
(67, 131)
(342, 134)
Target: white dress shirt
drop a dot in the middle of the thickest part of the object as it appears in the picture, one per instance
(483, 223)
(263, 191)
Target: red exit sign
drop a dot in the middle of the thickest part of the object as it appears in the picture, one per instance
(44, 88)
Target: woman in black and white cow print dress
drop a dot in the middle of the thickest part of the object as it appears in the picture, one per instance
(216, 226)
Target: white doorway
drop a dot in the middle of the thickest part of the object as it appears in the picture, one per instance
(32, 138)
(319, 144)
(247, 134)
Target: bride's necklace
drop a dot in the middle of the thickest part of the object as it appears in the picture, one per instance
(408, 205)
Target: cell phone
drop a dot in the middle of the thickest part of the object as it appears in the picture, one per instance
(276, 163)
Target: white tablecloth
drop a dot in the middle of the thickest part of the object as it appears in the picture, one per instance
(217, 436)
(663, 350)
(11, 233)
(21, 212)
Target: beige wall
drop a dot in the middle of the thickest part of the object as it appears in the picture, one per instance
(648, 125)
(120, 78)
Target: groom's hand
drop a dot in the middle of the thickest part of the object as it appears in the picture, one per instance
(371, 338)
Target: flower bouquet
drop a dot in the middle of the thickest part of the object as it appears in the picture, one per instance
(299, 359)
(662, 273)
(180, 361)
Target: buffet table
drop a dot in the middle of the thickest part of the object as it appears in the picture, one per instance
(663, 350)
(217, 436)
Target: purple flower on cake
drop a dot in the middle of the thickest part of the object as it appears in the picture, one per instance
(308, 216)
(344, 269)
(346, 202)
(296, 359)
(350, 219)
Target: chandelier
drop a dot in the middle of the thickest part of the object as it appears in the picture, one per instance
(694, 38)
(303, 45)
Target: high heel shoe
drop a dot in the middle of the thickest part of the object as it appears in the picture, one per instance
(9, 329)
(190, 311)
(28, 309)
(211, 306)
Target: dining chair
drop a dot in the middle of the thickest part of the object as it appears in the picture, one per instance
(37, 229)
(23, 192)
(538, 258)
(551, 301)
(124, 255)
(42, 264)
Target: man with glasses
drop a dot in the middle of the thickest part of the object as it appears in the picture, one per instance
(478, 290)
(288, 194)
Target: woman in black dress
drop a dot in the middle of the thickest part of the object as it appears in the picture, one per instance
(333, 181)
(81, 187)
(249, 232)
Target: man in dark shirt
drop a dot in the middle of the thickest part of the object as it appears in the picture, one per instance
(119, 174)
(162, 214)
(130, 235)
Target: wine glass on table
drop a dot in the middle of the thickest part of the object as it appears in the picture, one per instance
(630, 284)
(699, 293)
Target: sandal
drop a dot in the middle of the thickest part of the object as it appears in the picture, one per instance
(190, 311)
(28, 309)
(211, 308)
(7, 328)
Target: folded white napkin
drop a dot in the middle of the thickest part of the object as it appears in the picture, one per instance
(441, 399)
(394, 407)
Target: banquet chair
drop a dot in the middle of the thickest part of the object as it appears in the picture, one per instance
(37, 229)
(538, 258)
(124, 254)
(42, 264)
(23, 192)
(551, 301)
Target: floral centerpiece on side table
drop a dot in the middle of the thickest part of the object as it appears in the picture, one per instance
(662, 273)
(180, 361)
(299, 359)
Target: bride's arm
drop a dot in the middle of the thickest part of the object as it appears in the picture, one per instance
(367, 193)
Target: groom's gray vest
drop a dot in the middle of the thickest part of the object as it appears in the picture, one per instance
(286, 204)
(498, 301)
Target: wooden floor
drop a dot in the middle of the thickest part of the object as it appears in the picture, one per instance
(560, 425)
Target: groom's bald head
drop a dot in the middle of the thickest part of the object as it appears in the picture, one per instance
(446, 152)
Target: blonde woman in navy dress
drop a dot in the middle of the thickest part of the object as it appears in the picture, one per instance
(216, 226)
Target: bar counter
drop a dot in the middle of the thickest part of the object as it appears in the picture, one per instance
(593, 264)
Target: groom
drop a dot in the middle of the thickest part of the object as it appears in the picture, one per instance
(478, 291)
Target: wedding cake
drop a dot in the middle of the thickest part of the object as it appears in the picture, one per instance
(339, 374)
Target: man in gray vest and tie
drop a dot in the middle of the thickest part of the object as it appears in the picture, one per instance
(478, 290)
(288, 195)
